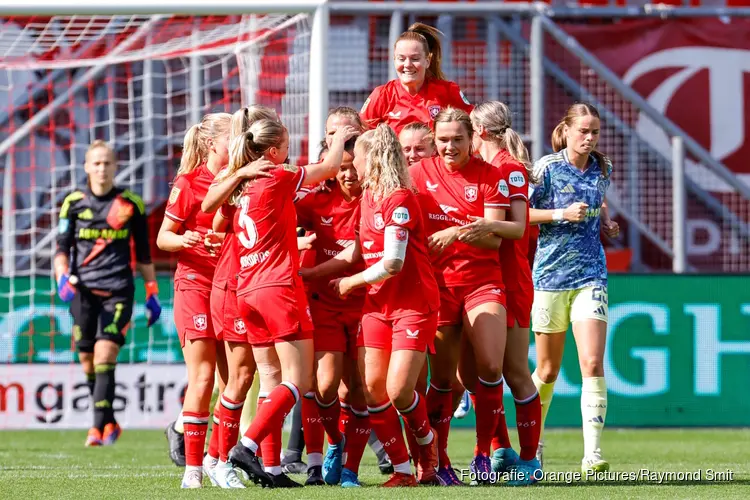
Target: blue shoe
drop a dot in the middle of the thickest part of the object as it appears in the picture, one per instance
(463, 407)
(349, 479)
(333, 463)
(525, 473)
(503, 459)
(481, 469)
(448, 477)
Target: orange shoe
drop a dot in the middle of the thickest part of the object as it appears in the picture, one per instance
(112, 433)
(428, 463)
(400, 480)
(94, 437)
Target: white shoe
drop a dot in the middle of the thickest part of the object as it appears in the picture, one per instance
(192, 479)
(226, 476)
(209, 469)
(594, 463)
(463, 407)
(540, 453)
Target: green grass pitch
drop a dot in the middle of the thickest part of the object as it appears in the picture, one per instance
(54, 464)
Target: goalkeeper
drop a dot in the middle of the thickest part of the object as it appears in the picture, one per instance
(93, 273)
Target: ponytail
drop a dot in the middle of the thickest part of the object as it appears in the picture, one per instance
(243, 118)
(429, 37)
(558, 138)
(193, 152)
(559, 141)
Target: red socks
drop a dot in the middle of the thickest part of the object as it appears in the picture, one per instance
(196, 425)
(386, 424)
(528, 421)
(440, 410)
(488, 403)
(229, 425)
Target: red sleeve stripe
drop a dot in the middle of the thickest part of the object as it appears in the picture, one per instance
(496, 205)
(519, 195)
(174, 217)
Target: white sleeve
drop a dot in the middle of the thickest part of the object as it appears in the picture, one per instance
(395, 241)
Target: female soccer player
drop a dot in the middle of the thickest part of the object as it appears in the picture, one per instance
(570, 272)
(421, 90)
(183, 230)
(455, 186)
(270, 293)
(93, 273)
(417, 142)
(498, 144)
(400, 313)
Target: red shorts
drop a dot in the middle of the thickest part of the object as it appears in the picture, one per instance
(192, 313)
(519, 308)
(276, 314)
(410, 333)
(454, 301)
(335, 331)
(228, 323)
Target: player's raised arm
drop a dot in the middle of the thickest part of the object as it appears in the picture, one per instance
(330, 165)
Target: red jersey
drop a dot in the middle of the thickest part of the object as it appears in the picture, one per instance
(447, 199)
(194, 264)
(266, 227)
(334, 221)
(514, 253)
(228, 266)
(413, 290)
(392, 104)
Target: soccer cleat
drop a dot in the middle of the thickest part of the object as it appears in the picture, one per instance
(503, 459)
(226, 477)
(400, 480)
(540, 453)
(176, 445)
(428, 463)
(282, 481)
(481, 468)
(448, 477)
(315, 476)
(349, 479)
(525, 473)
(384, 463)
(94, 437)
(333, 463)
(209, 468)
(192, 479)
(594, 463)
(241, 456)
(463, 407)
(111, 434)
(292, 464)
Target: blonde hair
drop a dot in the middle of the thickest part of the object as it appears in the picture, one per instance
(99, 144)
(250, 146)
(195, 148)
(243, 118)
(429, 37)
(347, 112)
(429, 136)
(387, 170)
(559, 142)
(495, 118)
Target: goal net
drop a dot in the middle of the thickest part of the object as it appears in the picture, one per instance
(138, 82)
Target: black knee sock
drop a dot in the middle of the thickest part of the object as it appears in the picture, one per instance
(104, 395)
(296, 442)
(90, 381)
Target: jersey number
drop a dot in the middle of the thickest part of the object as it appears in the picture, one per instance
(599, 295)
(249, 236)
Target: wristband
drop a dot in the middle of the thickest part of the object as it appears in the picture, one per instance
(375, 273)
(152, 288)
(557, 215)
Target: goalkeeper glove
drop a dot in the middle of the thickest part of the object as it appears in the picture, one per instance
(65, 287)
(153, 308)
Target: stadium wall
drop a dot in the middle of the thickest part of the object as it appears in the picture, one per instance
(677, 352)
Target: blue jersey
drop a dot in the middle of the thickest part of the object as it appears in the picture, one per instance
(569, 255)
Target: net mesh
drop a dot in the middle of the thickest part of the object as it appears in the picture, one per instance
(131, 81)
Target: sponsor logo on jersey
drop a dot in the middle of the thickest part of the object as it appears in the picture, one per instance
(394, 116)
(86, 214)
(400, 215)
(434, 110)
(463, 97)
(502, 188)
(326, 221)
(448, 209)
(431, 187)
(368, 244)
(200, 321)
(517, 179)
(412, 334)
(174, 194)
(569, 189)
(239, 326)
(471, 192)
(378, 221)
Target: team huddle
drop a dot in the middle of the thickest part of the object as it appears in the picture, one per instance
(375, 286)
